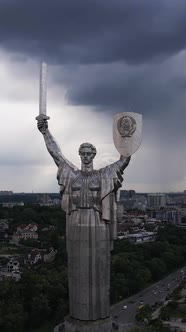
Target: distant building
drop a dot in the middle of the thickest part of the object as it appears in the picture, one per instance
(36, 255)
(13, 265)
(169, 215)
(56, 201)
(28, 235)
(6, 192)
(50, 256)
(11, 271)
(175, 199)
(25, 235)
(4, 226)
(120, 211)
(27, 227)
(15, 238)
(126, 194)
(140, 202)
(156, 200)
(33, 257)
(12, 204)
(181, 218)
(142, 237)
(128, 203)
(15, 275)
(136, 202)
(152, 221)
(174, 216)
(3, 236)
(25, 232)
(46, 200)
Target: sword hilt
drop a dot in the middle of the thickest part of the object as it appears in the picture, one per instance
(42, 117)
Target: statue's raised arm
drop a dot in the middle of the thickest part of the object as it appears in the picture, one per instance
(51, 144)
(123, 162)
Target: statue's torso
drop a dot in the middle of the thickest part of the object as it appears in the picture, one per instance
(86, 190)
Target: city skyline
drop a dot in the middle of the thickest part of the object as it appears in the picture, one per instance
(103, 58)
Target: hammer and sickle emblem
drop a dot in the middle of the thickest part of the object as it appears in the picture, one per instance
(126, 126)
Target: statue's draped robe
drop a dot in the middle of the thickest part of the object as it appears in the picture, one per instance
(89, 200)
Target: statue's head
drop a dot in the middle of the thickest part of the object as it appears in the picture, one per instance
(87, 152)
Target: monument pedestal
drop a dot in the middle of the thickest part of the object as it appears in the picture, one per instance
(100, 325)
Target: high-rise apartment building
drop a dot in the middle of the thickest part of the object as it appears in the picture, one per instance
(156, 200)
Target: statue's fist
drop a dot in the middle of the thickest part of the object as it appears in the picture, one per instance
(42, 125)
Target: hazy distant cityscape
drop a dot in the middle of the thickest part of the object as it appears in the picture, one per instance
(139, 214)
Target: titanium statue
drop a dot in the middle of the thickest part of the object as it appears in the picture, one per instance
(89, 200)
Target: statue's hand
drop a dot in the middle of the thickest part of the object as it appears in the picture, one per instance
(42, 125)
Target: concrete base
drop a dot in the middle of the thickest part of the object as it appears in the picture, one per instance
(100, 325)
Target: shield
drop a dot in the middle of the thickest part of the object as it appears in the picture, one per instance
(127, 132)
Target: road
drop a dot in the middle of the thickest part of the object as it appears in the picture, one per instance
(154, 293)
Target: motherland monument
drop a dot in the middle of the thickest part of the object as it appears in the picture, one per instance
(89, 200)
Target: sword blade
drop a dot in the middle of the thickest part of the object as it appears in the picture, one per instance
(43, 88)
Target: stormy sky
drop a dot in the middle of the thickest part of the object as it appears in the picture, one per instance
(103, 57)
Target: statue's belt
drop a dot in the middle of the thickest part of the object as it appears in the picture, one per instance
(85, 208)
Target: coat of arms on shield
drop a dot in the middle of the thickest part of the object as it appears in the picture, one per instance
(127, 132)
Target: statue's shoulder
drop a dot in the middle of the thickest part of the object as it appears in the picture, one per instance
(66, 171)
(66, 165)
(108, 167)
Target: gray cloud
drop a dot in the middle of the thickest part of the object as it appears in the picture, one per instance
(142, 87)
(94, 31)
(114, 55)
(155, 90)
(107, 55)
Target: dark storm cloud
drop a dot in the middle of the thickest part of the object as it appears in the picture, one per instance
(155, 90)
(94, 31)
(143, 87)
(112, 55)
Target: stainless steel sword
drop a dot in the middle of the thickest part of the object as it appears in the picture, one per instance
(43, 92)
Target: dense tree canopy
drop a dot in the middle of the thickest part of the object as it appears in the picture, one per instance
(42, 293)
(134, 267)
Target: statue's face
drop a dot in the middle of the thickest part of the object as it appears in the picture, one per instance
(86, 156)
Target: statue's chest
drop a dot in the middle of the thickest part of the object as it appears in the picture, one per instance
(86, 189)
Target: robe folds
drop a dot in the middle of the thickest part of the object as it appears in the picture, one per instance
(89, 200)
